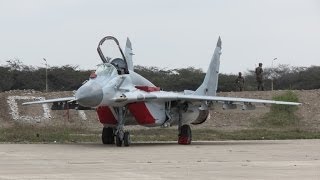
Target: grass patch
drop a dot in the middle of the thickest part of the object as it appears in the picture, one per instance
(28, 133)
(256, 134)
(31, 134)
(282, 115)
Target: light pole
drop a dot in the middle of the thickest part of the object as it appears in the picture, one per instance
(272, 73)
(46, 74)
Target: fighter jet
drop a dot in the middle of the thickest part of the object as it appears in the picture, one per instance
(115, 91)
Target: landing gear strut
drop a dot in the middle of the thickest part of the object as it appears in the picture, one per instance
(122, 137)
(185, 135)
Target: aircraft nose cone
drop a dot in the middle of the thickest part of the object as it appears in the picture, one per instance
(89, 95)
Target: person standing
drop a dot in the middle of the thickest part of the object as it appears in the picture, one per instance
(259, 77)
(239, 82)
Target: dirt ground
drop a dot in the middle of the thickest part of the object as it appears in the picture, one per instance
(284, 159)
(12, 112)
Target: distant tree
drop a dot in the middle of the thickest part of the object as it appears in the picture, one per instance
(66, 78)
(226, 82)
(16, 75)
(172, 80)
(6, 80)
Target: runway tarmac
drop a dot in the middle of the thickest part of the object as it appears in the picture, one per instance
(283, 159)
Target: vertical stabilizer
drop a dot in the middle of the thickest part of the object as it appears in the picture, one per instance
(128, 54)
(210, 83)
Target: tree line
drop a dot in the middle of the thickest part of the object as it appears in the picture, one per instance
(15, 75)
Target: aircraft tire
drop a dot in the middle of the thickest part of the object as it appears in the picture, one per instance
(107, 135)
(118, 141)
(126, 139)
(185, 135)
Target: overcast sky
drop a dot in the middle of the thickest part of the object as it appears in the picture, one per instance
(164, 33)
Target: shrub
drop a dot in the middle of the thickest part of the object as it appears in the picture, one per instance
(282, 115)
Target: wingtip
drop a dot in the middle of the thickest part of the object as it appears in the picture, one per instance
(219, 43)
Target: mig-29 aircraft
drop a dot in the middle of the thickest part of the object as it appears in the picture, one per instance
(114, 89)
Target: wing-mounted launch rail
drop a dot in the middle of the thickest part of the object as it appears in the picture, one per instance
(68, 105)
(232, 105)
(106, 60)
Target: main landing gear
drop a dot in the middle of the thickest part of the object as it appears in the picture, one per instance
(185, 135)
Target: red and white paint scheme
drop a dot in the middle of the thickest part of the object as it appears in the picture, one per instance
(116, 92)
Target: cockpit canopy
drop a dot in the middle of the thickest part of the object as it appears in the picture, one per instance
(106, 69)
(114, 53)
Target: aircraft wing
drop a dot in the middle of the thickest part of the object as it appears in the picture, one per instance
(233, 100)
(68, 99)
(171, 96)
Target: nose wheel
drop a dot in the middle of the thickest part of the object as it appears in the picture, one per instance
(123, 138)
(126, 139)
(107, 136)
(119, 140)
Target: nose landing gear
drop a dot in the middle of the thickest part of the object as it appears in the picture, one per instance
(117, 135)
(123, 138)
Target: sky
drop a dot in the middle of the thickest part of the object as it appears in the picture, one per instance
(164, 33)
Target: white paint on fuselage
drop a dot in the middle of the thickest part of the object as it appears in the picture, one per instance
(139, 80)
(117, 85)
(187, 117)
(157, 110)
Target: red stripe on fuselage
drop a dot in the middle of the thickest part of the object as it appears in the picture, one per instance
(148, 88)
(105, 115)
(141, 113)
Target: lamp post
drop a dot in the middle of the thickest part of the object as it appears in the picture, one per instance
(46, 74)
(272, 73)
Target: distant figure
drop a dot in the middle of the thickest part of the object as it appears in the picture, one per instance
(259, 77)
(240, 82)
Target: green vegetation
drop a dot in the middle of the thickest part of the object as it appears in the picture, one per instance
(280, 115)
(16, 75)
(29, 133)
(254, 134)
(32, 134)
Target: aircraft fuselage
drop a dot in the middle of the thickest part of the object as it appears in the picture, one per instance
(105, 90)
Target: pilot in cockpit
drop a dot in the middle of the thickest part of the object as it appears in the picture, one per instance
(120, 65)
